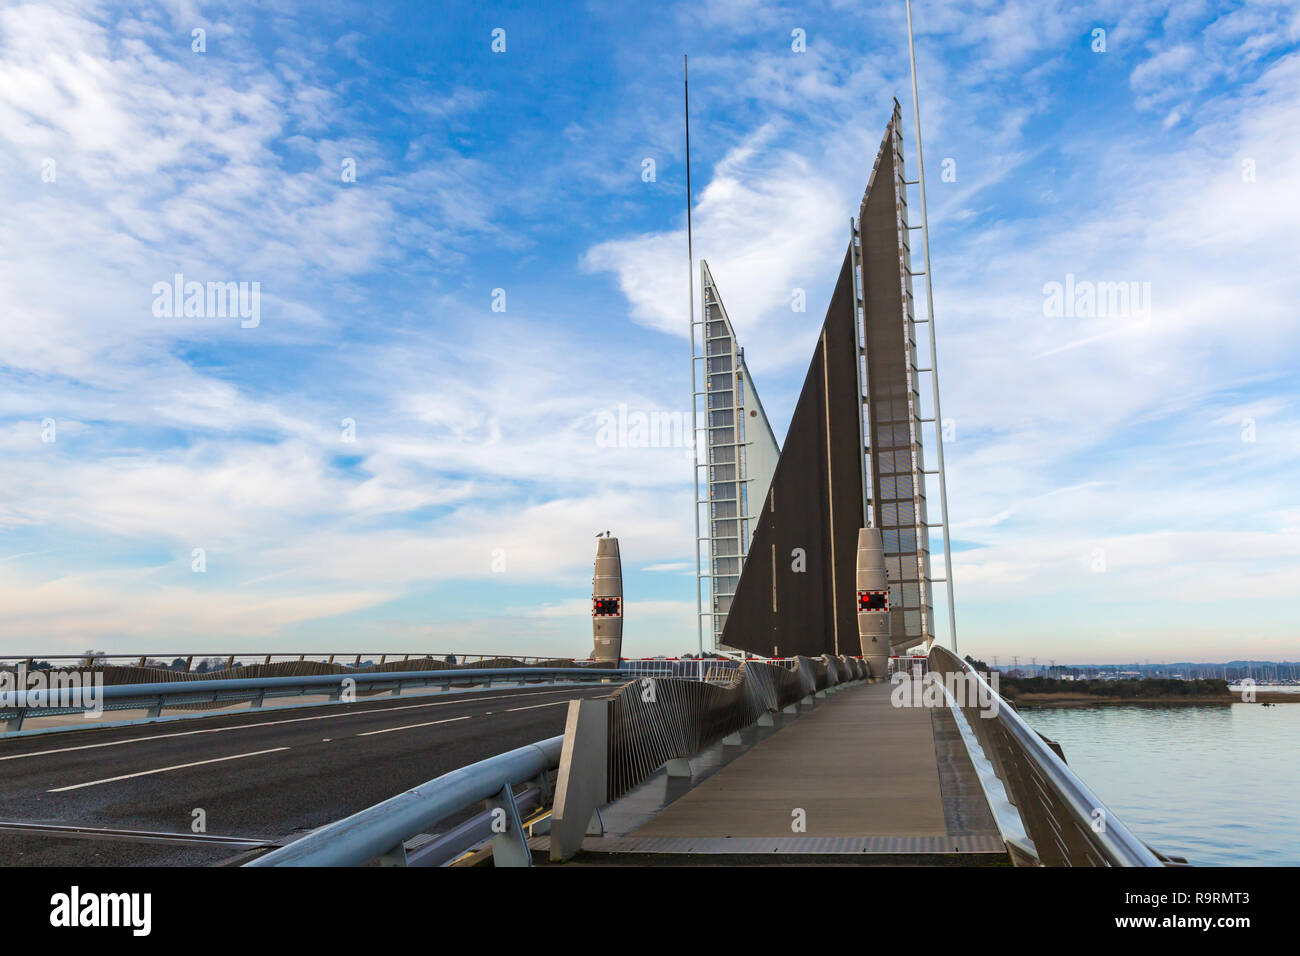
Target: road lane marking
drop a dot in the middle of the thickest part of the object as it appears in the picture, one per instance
(179, 766)
(273, 723)
(553, 703)
(79, 832)
(427, 723)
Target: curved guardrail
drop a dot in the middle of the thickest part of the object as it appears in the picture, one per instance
(381, 832)
(1069, 826)
(183, 663)
(15, 705)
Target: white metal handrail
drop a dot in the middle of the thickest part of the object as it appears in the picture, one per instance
(1088, 821)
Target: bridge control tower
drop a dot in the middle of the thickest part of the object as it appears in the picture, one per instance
(873, 602)
(607, 602)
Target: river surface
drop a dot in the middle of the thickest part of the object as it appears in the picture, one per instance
(1218, 784)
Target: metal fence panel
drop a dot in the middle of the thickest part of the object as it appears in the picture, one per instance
(654, 720)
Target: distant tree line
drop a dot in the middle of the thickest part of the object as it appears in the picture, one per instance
(1132, 688)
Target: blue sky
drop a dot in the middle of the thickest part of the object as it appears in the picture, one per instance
(1121, 487)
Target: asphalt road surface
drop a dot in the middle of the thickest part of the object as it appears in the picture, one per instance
(261, 775)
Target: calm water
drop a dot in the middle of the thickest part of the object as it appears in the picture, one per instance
(1219, 785)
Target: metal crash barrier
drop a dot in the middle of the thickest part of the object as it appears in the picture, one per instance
(381, 832)
(153, 697)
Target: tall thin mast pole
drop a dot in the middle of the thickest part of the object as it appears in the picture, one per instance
(934, 354)
(695, 422)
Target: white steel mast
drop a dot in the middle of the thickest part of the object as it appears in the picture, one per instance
(695, 421)
(934, 355)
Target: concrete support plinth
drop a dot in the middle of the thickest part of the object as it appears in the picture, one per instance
(582, 782)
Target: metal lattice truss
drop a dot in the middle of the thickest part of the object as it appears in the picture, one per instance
(894, 473)
(735, 457)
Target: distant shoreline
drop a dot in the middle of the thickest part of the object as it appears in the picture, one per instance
(1083, 700)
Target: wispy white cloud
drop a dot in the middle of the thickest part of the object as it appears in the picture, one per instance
(477, 434)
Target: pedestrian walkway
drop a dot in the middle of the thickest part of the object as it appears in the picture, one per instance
(855, 775)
